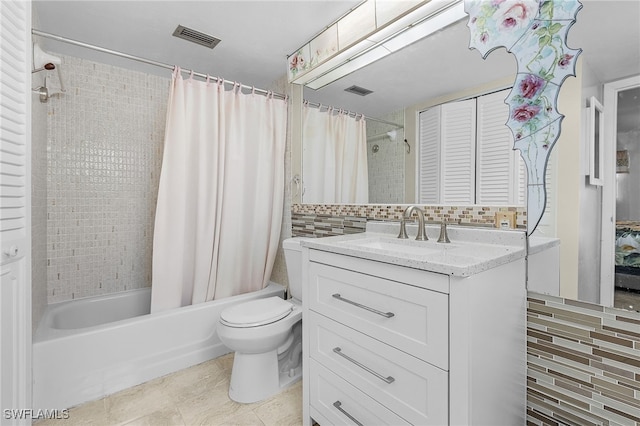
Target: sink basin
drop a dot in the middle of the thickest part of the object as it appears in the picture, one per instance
(402, 247)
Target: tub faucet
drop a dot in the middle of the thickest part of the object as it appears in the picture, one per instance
(422, 236)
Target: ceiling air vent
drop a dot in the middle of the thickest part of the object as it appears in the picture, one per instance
(358, 90)
(196, 37)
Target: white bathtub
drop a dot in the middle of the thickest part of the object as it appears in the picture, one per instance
(88, 348)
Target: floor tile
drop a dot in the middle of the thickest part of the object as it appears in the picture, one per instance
(198, 395)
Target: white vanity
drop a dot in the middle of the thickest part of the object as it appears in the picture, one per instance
(415, 332)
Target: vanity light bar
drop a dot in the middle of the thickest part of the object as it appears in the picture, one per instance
(413, 27)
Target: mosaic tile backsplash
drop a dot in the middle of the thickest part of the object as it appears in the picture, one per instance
(104, 147)
(323, 220)
(583, 363)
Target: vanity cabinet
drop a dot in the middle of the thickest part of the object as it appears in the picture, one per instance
(389, 344)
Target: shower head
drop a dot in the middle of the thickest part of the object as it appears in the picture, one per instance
(49, 66)
(392, 135)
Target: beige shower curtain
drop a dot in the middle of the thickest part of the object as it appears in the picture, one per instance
(220, 197)
(334, 157)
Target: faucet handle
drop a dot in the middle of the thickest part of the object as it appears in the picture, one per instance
(403, 230)
(443, 238)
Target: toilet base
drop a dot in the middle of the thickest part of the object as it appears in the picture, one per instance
(255, 377)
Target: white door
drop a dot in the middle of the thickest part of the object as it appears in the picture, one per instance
(15, 259)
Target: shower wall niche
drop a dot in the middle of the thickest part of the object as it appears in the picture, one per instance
(104, 152)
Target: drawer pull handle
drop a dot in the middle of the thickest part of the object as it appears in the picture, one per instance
(338, 405)
(375, 311)
(364, 367)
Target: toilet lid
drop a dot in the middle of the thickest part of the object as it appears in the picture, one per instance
(256, 312)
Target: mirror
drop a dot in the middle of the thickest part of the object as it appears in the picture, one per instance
(399, 92)
(415, 78)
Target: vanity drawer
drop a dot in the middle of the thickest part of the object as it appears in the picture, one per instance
(401, 382)
(409, 318)
(335, 402)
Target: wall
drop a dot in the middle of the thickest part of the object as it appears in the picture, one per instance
(279, 271)
(569, 182)
(583, 363)
(104, 156)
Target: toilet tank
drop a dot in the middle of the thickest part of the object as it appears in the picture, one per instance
(293, 259)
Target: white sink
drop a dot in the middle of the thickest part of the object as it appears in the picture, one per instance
(403, 247)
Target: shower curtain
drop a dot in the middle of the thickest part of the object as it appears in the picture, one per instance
(334, 157)
(221, 191)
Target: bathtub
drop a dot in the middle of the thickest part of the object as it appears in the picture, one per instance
(88, 348)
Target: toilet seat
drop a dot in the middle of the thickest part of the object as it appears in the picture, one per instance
(256, 312)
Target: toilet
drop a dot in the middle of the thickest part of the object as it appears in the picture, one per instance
(266, 335)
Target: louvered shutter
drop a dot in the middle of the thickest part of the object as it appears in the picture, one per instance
(15, 281)
(13, 130)
(500, 170)
(521, 191)
(458, 125)
(429, 157)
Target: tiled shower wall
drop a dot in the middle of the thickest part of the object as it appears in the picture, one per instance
(385, 158)
(38, 204)
(105, 138)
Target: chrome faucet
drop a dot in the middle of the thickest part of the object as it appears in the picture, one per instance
(422, 236)
(443, 238)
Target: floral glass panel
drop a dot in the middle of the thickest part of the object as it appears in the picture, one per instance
(535, 32)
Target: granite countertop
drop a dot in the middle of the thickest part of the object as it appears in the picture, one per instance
(471, 250)
(539, 244)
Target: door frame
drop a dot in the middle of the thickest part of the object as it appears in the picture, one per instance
(607, 243)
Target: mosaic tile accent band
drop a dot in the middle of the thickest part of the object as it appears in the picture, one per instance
(324, 220)
(583, 363)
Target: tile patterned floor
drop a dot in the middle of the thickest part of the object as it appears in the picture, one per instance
(194, 396)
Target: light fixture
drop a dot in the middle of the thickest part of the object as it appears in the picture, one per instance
(419, 23)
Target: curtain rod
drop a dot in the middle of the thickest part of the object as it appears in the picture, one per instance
(355, 114)
(143, 60)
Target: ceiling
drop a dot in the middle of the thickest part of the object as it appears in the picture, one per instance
(257, 36)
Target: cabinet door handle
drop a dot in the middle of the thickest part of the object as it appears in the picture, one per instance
(375, 311)
(338, 405)
(338, 351)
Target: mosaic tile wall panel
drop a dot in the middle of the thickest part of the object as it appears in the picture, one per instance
(385, 158)
(104, 157)
(337, 219)
(38, 205)
(583, 363)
